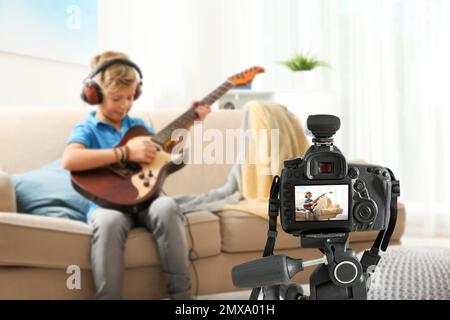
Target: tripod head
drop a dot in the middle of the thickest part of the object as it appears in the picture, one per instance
(343, 277)
(339, 274)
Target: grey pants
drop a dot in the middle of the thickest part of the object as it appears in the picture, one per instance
(110, 231)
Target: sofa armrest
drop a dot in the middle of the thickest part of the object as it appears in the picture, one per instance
(7, 194)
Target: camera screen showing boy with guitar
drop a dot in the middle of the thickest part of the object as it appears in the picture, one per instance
(331, 204)
(309, 204)
(119, 163)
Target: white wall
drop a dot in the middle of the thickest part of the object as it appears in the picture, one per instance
(304, 103)
(29, 81)
(176, 44)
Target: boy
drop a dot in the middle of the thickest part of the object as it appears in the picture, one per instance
(91, 144)
(308, 203)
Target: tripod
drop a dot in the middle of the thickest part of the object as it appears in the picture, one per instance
(339, 276)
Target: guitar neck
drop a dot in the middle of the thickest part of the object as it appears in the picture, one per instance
(188, 117)
(319, 197)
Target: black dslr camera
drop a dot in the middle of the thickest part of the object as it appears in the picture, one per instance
(321, 192)
(321, 198)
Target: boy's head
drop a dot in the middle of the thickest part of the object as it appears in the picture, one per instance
(114, 82)
(308, 195)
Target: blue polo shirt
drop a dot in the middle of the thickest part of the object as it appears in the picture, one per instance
(307, 201)
(96, 134)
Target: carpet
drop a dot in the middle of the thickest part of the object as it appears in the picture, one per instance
(412, 273)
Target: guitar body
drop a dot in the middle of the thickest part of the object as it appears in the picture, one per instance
(129, 188)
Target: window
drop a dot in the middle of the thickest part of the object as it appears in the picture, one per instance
(63, 30)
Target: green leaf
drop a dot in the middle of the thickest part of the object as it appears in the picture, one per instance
(301, 62)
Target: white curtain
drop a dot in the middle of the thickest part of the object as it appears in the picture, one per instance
(388, 75)
(389, 70)
(392, 91)
(163, 37)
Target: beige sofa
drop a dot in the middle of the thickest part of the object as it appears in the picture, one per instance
(35, 252)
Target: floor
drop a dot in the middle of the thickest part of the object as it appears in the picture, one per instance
(409, 241)
(423, 241)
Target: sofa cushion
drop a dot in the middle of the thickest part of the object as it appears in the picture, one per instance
(48, 191)
(48, 242)
(244, 232)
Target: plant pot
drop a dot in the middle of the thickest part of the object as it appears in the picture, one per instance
(303, 80)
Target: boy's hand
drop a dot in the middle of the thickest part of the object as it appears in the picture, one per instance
(201, 110)
(141, 151)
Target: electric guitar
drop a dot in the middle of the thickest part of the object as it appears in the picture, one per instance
(131, 187)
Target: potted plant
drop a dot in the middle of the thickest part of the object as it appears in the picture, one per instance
(301, 65)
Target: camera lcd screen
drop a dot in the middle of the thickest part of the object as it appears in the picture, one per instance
(321, 203)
